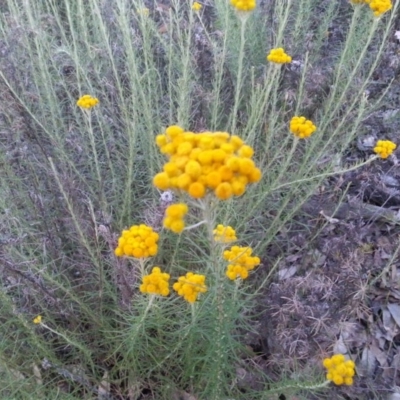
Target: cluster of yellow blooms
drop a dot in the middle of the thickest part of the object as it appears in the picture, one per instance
(339, 371)
(139, 241)
(378, 7)
(143, 11)
(302, 127)
(174, 215)
(203, 162)
(87, 101)
(244, 5)
(37, 320)
(384, 148)
(155, 283)
(197, 6)
(241, 262)
(190, 286)
(279, 56)
(224, 234)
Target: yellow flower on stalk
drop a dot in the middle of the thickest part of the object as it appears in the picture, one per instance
(196, 6)
(87, 101)
(140, 241)
(279, 56)
(37, 320)
(190, 286)
(241, 262)
(339, 371)
(207, 162)
(379, 7)
(244, 5)
(174, 215)
(384, 148)
(143, 11)
(156, 283)
(302, 127)
(224, 234)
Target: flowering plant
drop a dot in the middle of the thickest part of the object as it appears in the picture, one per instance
(190, 286)
(302, 127)
(139, 241)
(279, 56)
(224, 234)
(339, 371)
(87, 101)
(202, 163)
(244, 5)
(155, 283)
(384, 148)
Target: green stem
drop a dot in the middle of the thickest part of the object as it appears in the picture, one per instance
(326, 174)
(297, 386)
(68, 340)
(88, 114)
(289, 160)
(243, 20)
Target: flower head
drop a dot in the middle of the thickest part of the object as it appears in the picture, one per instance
(37, 320)
(302, 127)
(379, 7)
(143, 11)
(339, 371)
(196, 6)
(156, 283)
(87, 101)
(384, 148)
(207, 162)
(140, 241)
(244, 5)
(190, 286)
(241, 262)
(174, 215)
(279, 56)
(224, 234)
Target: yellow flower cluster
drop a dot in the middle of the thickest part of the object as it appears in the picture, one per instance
(139, 241)
(87, 101)
(174, 215)
(190, 286)
(37, 320)
(203, 162)
(224, 234)
(384, 148)
(339, 371)
(378, 7)
(244, 5)
(197, 6)
(279, 56)
(241, 262)
(155, 283)
(143, 11)
(302, 127)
